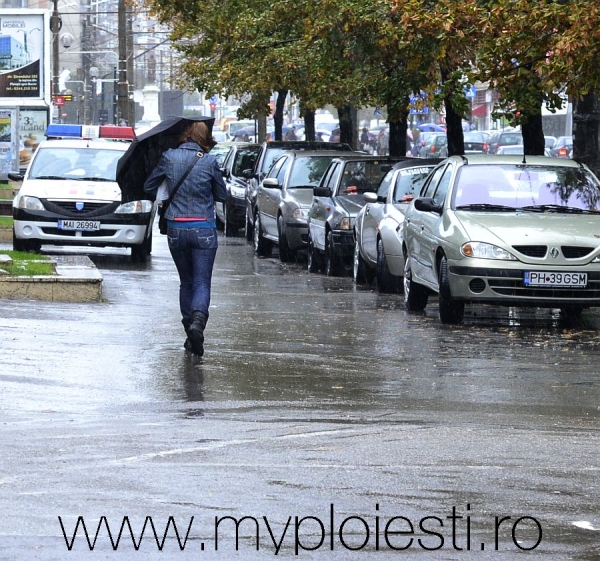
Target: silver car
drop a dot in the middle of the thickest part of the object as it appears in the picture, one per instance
(377, 228)
(502, 230)
(283, 199)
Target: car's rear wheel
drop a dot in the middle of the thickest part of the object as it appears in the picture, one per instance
(313, 257)
(332, 262)
(415, 295)
(286, 254)
(262, 246)
(248, 229)
(229, 229)
(386, 282)
(451, 311)
(361, 273)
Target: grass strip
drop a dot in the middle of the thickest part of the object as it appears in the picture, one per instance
(27, 264)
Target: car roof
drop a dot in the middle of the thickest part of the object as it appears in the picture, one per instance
(307, 145)
(80, 143)
(498, 159)
(417, 162)
(334, 153)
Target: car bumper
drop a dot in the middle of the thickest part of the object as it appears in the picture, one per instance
(297, 234)
(500, 285)
(343, 243)
(115, 230)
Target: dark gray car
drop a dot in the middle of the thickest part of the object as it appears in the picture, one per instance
(283, 199)
(337, 201)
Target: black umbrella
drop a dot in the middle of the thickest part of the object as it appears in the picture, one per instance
(136, 164)
(249, 130)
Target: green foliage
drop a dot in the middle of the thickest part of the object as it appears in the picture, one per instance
(27, 264)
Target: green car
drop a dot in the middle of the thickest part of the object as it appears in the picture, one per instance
(504, 230)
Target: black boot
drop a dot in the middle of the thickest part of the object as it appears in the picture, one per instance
(196, 332)
(187, 345)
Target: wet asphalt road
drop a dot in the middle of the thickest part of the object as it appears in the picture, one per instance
(313, 398)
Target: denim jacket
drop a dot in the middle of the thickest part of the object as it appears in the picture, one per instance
(202, 187)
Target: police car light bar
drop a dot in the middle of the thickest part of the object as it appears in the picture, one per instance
(90, 132)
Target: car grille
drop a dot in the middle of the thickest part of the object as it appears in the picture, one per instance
(532, 250)
(67, 208)
(515, 287)
(574, 252)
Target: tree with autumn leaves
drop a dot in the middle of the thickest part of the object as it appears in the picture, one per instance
(353, 53)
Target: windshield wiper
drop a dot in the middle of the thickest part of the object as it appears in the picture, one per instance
(49, 177)
(93, 179)
(486, 206)
(555, 208)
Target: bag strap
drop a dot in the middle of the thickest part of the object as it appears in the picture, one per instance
(168, 201)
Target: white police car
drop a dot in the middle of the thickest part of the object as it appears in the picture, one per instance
(69, 194)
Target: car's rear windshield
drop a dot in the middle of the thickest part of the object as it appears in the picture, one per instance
(308, 170)
(75, 163)
(362, 176)
(525, 185)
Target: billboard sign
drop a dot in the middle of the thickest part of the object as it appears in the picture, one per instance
(22, 54)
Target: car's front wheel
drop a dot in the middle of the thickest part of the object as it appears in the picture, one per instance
(140, 253)
(415, 295)
(26, 245)
(451, 311)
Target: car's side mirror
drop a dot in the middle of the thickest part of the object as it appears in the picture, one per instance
(15, 176)
(369, 197)
(322, 192)
(427, 204)
(271, 182)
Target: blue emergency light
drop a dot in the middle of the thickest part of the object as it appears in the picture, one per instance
(90, 132)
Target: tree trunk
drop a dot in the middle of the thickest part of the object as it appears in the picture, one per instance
(347, 115)
(586, 131)
(534, 143)
(278, 115)
(454, 130)
(398, 119)
(309, 124)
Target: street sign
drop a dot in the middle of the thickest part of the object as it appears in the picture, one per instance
(470, 92)
(65, 97)
(213, 106)
(59, 100)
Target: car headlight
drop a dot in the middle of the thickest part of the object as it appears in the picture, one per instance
(134, 207)
(30, 203)
(345, 223)
(238, 192)
(481, 250)
(300, 214)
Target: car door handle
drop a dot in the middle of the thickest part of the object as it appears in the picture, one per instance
(368, 210)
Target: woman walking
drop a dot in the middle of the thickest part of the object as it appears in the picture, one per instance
(192, 232)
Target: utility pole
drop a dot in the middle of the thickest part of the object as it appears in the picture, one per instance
(55, 26)
(123, 84)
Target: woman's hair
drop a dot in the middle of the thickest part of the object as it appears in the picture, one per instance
(199, 132)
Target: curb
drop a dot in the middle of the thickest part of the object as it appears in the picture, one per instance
(76, 280)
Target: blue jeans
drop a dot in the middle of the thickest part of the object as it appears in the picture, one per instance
(193, 251)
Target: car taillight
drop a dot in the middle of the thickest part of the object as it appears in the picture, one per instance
(432, 149)
(562, 152)
(485, 147)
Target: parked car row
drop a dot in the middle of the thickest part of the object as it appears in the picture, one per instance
(491, 229)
